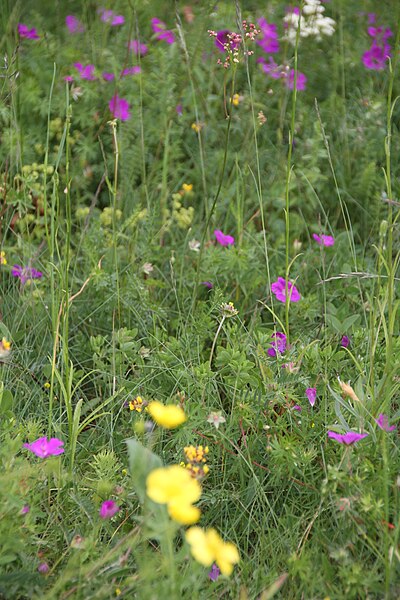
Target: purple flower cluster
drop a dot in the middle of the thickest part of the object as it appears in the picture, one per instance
(278, 344)
(269, 41)
(376, 57)
(161, 31)
(25, 274)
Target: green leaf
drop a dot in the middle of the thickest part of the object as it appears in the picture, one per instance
(141, 462)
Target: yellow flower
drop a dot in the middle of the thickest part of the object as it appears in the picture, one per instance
(187, 187)
(6, 345)
(167, 416)
(236, 99)
(3, 260)
(196, 127)
(208, 547)
(5, 348)
(175, 487)
(136, 404)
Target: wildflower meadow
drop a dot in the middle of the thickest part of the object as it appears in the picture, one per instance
(199, 319)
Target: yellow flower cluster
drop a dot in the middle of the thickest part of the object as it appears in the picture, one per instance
(137, 404)
(3, 260)
(170, 416)
(196, 457)
(5, 348)
(207, 547)
(175, 487)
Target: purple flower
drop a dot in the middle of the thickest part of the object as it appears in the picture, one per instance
(223, 239)
(108, 509)
(43, 567)
(297, 407)
(311, 394)
(73, 24)
(375, 58)
(324, 240)
(119, 108)
(222, 39)
(131, 71)
(25, 509)
(348, 438)
(43, 448)
(371, 18)
(108, 76)
(269, 42)
(271, 68)
(86, 72)
(25, 32)
(383, 422)
(278, 344)
(300, 81)
(109, 16)
(279, 289)
(207, 284)
(214, 572)
(137, 47)
(25, 273)
(179, 109)
(345, 341)
(68, 78)
(161, 31)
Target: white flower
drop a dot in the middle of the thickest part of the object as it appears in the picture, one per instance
(147, 268)
(194, 245)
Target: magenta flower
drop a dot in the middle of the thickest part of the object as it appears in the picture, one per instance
(138, 48)
(375, 58)
(207, 284)
(300, 81)
(345, 341)
(271, 68)
(179, 109)
(311, 394)
(25, 32)
(109, 16)
(131, 71)
(269, 41)
(222, 39)
(214, 572)
(108, 76)
(25, 509)
(108, 509)
(43, 567)
(68, 78)
(383, 422)
(43, 448)
(278, 344)
(223, 239)
(25, 273)
(119, 108)
(324, 240)
(297, 407)
(161, 31)
(73, 24)
(348, 439)
(86, 72)
(279, 289)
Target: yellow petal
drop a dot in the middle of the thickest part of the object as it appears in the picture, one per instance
(199, 546)
(185, 514)
(167, 416)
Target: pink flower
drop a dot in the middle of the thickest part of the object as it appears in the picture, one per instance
(109, 16)
(324, 240)
(271, 69)
(25, 32)
(73, 24)
(68, 78)
(223, 239)
(300, 81)
(43, 448)
(137, 47)
(349, 438)
(383, 422)
(297, 407)
(311, 394)
(269, 42)
(278, 344)
(376, 57)
(279, 289)
(108, 76)
(85, 72)
(25, 509)
(43, 567)
(131, 71)
(119, 108)
(161, 31)
(108, 509)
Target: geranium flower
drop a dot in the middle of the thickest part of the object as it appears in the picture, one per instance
(44, 448)
(86, 72)
(207, 547)
(278, 344)
(109, 16)
(119, 108)
(108, 509)
(25, 273)
(324, 240)
(223, 38)
(25, 32)
(175, 487)
(170, 416)
(73, 24)
(131, 71)
(269, 42)
(108, 76)
(137, 47)
(383, 422)
(349, 438)
(223, 239)
(376, 57)
(161, 31)
(279, 289)
(300, 81)
(272, 69)
(311, 394)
